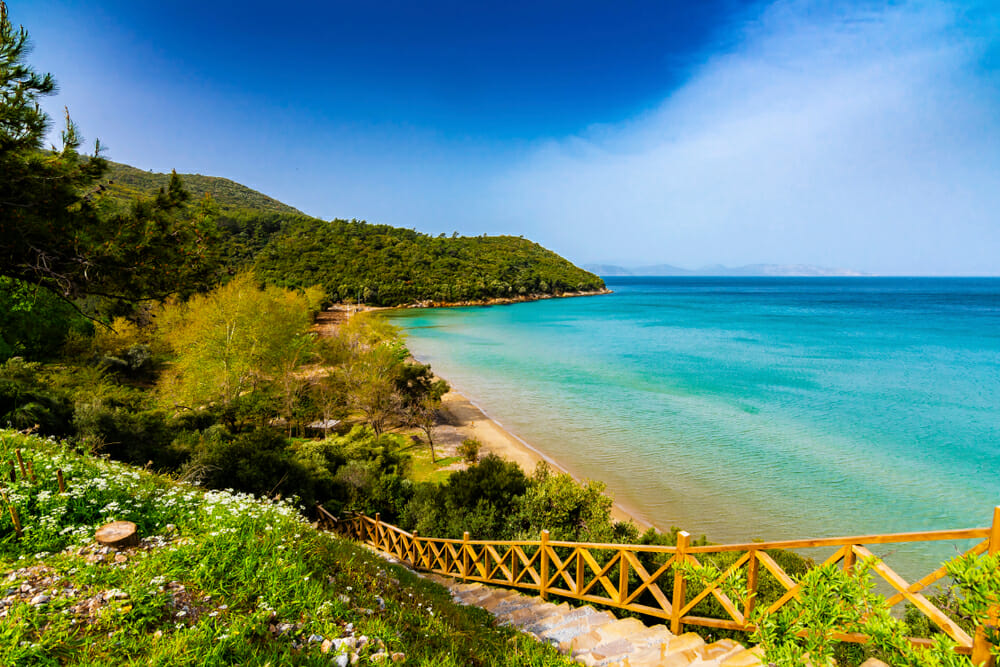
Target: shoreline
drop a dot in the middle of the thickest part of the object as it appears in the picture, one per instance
(473, 422)
(351, 309)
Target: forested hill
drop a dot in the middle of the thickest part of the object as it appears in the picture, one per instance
(124, 182)
(389, 266)
(353, 260)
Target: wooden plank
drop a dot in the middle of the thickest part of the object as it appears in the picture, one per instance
(918, 600)
(543, 565)
(713, 587)
(528, 567)
(924, 536)
(680, 592)
(601, 573)
(622, 578)
(500, 563)
(776, 570)
(934, 576)
(707, 622)
(648, 582)
(793, 592)
(752, 568)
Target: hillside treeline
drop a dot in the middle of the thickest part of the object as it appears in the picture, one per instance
(352, 260)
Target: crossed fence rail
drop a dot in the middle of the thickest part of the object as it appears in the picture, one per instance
(649, 579)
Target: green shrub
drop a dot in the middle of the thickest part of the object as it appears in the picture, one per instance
(469, 450)
(27, 403)
(258, 462)
(568, 510)
(134, 437)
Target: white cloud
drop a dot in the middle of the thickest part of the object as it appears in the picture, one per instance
(867, 138)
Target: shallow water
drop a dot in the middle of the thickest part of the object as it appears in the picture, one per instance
(748, 408)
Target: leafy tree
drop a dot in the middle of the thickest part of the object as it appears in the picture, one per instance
(231, 342)
(479, 499)
(568, 510)
(371, 387)
(35, 322)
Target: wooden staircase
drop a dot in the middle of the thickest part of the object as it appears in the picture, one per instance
(597, 637)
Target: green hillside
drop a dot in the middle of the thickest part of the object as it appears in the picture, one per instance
(124, 183)
(378, 264)
(389, 266)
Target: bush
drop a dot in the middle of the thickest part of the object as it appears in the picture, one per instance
(133, 437)
(258, 462)
(568, 510)
(480, 499)
(469, 450)
(27, 403)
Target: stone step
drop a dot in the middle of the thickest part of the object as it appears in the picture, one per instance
(598, 638)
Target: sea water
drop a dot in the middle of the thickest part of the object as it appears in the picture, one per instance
(751, 408)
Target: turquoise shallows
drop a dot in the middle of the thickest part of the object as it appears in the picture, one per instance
(750, 408)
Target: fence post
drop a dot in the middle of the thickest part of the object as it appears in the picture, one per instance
(752, 568)
(622, 577)
(980, 645)
(850, 558)
(543, 566)
(680, 592)
(20, 463)
(62, 482)
(414, 550)
(465, 555)
(13, 513)
(378, 531)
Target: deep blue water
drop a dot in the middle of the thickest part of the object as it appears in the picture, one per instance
(750, 408)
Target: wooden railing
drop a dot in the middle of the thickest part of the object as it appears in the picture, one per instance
(647, 579)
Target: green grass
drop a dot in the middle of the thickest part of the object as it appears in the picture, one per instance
(423, 469)
(222, 579)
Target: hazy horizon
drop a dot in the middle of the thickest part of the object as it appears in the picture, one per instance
(858, 135)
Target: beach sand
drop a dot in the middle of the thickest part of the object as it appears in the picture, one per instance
(466, 420)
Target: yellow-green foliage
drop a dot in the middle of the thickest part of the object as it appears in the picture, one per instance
(120, 335)
(229, 339)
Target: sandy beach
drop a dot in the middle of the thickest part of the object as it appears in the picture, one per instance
(464, 419)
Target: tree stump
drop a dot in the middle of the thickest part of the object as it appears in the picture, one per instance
(119, 534)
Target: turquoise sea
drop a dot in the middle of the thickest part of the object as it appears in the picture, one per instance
(747, 408)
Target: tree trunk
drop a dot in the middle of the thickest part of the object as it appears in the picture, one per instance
(119, 534)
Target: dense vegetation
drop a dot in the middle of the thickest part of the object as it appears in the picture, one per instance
(355, 261)
(383, 265)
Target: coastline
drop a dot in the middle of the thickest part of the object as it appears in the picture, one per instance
(505, 300)
(471, 421)
(349, 309)
(465, 419)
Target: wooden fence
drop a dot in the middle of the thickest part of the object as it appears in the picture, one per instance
(647, 579)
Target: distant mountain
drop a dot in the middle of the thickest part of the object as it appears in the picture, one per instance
(776, 270)
(124, 182)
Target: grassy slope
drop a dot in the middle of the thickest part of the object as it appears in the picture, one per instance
(220, 579)
(127, 182)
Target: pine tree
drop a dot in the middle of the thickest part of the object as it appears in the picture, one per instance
(53, 231)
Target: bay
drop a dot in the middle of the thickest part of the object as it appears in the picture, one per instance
(751, 408)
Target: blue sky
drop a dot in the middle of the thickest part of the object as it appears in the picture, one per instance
(859, 135)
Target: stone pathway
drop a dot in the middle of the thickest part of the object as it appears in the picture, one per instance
(597, 637)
